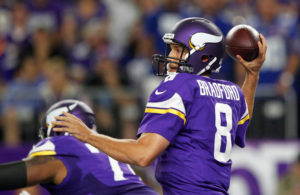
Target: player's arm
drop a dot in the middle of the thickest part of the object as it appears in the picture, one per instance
(31, 171)
(252, 73)
(141, 152)
(45, 169)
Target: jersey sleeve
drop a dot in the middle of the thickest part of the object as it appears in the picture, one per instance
(164, 114)
(242, 124)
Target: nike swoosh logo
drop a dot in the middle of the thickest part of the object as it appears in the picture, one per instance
(159, 92)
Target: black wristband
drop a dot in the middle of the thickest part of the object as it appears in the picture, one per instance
(13, 175)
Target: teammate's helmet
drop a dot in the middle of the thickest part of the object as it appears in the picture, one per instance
(75, 107)
(205, 44)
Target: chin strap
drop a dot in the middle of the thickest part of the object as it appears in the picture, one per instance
(13, 175)
(206, 68)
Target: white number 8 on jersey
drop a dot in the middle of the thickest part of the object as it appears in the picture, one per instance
(223, 131)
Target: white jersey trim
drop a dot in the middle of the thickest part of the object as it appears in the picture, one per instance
(47, 146)
(246, 111)
(174, 102)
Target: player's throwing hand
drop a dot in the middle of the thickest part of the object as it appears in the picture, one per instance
(254, 66)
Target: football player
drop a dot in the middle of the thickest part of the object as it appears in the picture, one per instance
(64, 165)
(191, 121)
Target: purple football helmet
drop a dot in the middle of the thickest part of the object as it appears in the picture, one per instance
(75, 107)
(205, 44)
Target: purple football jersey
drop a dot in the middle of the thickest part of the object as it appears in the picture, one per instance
(89, 170)
(202, 118)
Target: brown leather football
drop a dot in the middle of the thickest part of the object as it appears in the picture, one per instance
(242, 40)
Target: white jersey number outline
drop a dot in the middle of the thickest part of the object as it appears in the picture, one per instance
(118, 173)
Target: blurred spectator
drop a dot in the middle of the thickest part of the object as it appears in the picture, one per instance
(289, 184)
(14, 34)
(137, 34)
(89, 19)
(239, 11)
(5, 15)
(289, 6)
(122, 16)
(147, 6)
(69, 32)
(161, 18)
(88, 10)
(113, 99)
(57, 85)
(44, 14)
(41, 46)
(103, 80)
(21, 104)
(19, 31)
(86, 53)
(139, 69)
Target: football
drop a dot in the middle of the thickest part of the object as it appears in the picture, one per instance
(242, 40)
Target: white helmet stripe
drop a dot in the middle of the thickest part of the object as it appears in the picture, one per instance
(51, 116)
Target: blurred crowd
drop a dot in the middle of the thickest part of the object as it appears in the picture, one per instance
(99, 51)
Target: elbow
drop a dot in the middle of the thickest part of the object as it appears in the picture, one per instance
(144, 164)
(144, 161)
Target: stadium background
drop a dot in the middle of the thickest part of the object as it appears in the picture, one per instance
(99, 51)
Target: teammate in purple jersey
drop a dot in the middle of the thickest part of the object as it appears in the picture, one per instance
(191, 121)
(64, 165)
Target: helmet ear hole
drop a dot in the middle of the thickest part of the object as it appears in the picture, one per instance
(205, 58)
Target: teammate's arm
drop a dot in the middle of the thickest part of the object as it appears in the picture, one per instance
(31, 171)
(252, 73)
(141, 152)
(45, 169)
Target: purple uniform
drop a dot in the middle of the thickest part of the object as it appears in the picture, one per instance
(201, 118)
(89, 170)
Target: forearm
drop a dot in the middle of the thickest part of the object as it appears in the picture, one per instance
(252, 69)
(249, 88)
(13, 175)
(125, 150)
(141, 152)
(239, 74)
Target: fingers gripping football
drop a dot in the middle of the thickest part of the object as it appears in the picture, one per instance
(254, 66)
